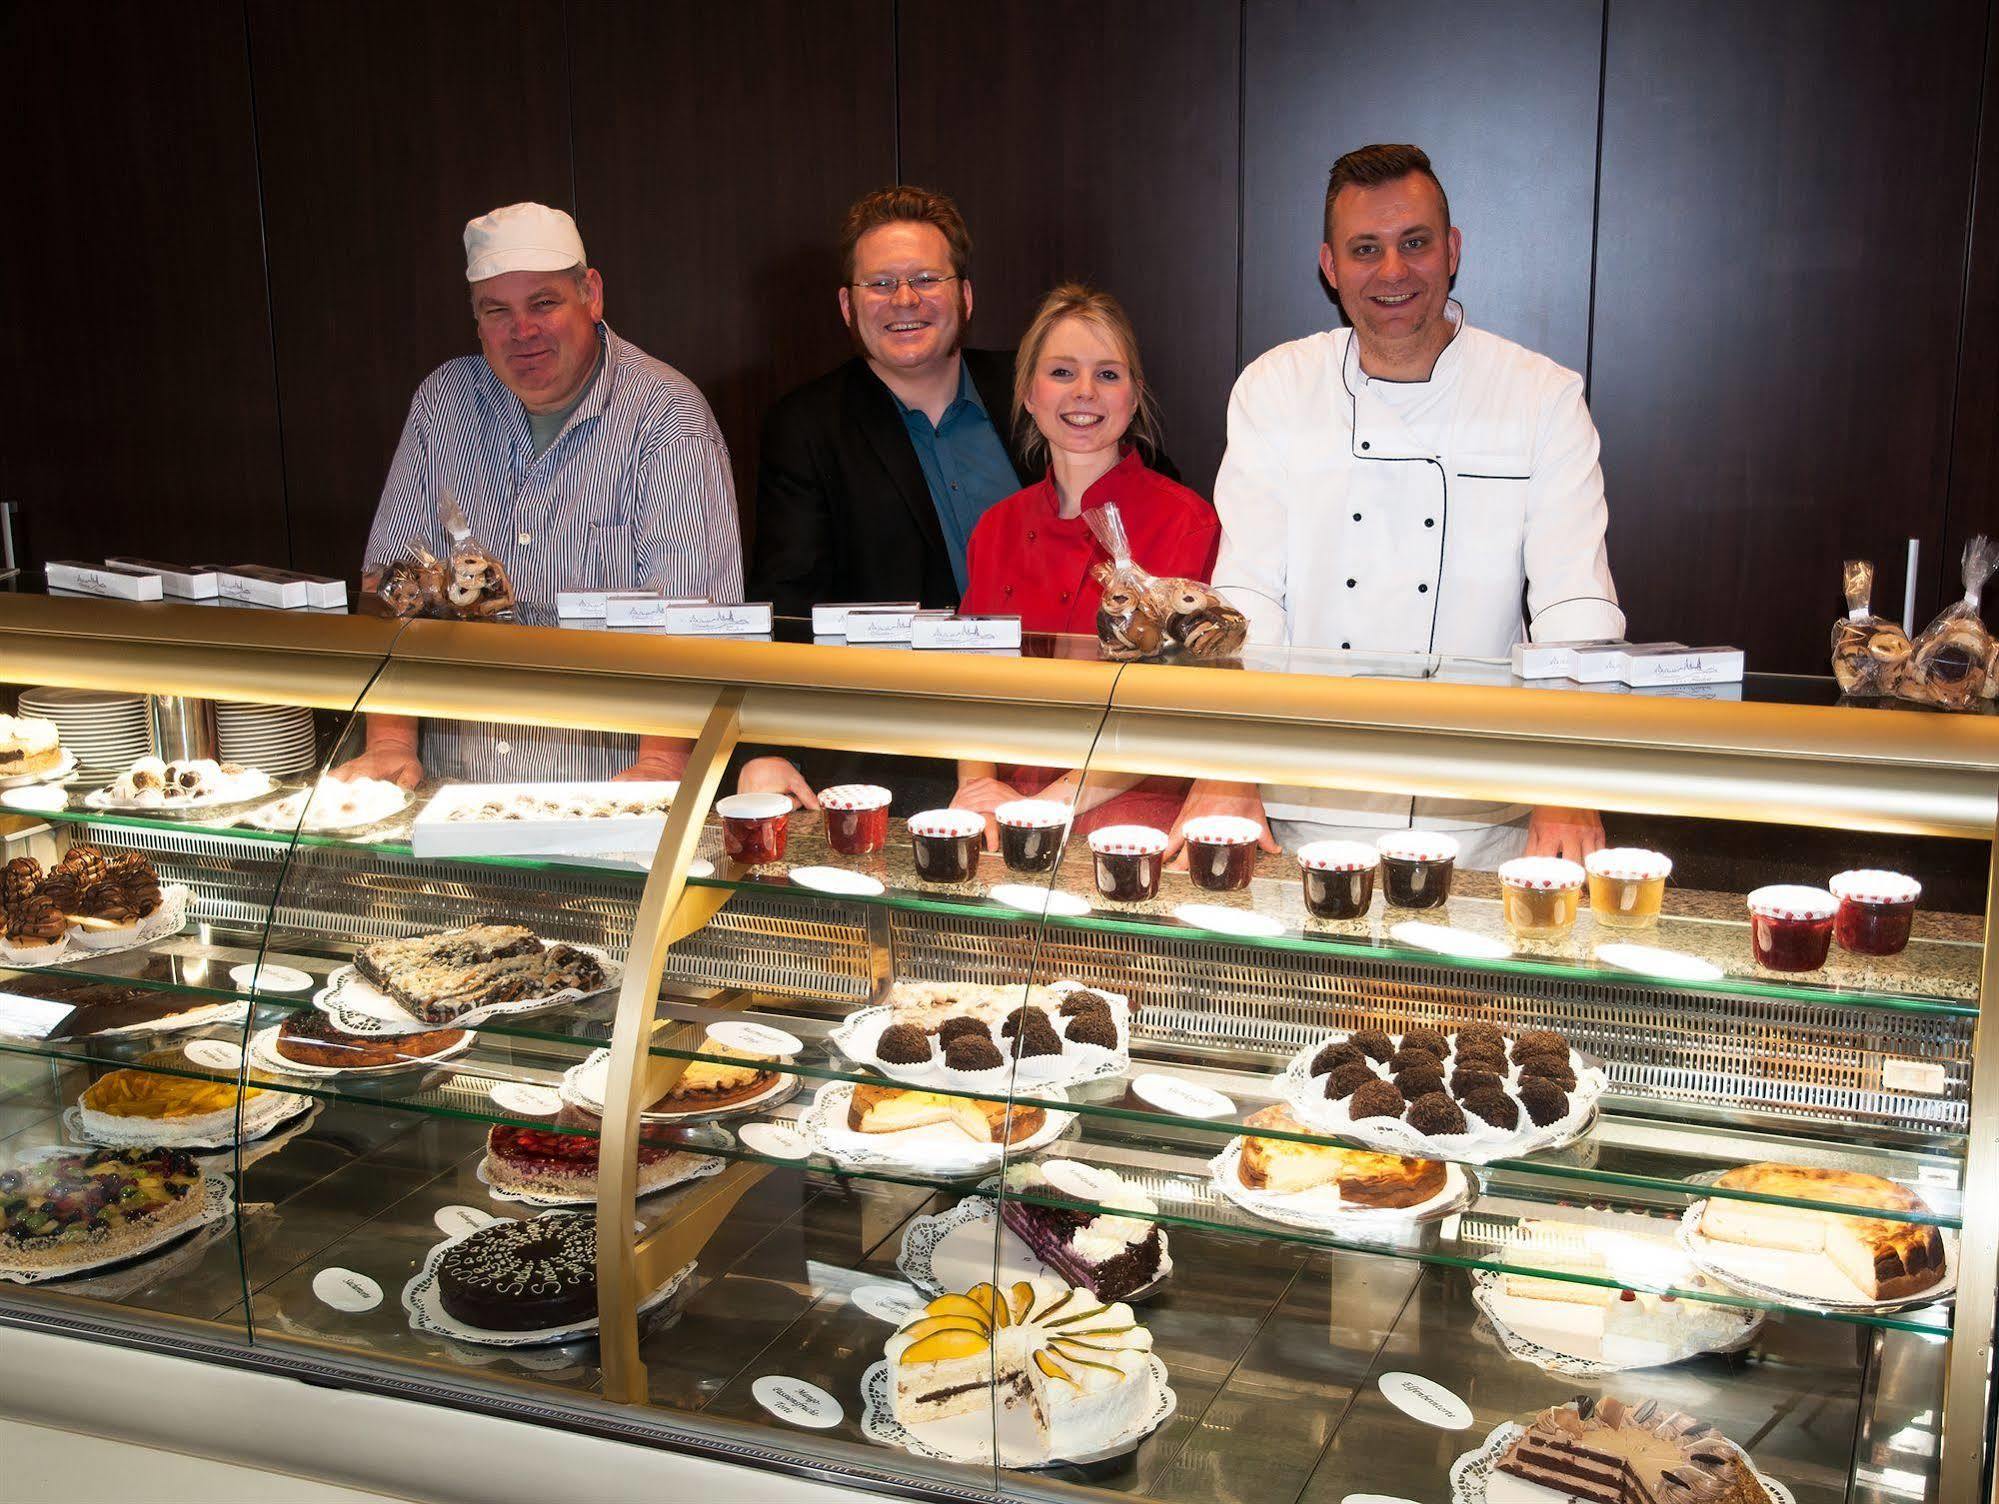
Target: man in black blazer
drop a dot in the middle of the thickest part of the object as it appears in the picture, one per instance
(871, 476)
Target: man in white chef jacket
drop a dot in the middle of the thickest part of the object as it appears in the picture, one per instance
(1404, 486)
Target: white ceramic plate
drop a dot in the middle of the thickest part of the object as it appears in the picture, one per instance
(264, 1052)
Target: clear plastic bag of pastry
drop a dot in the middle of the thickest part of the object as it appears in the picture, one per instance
(1143, 615)
(1951, 665)
(410, 586)
(476, 587)
(1869, 652)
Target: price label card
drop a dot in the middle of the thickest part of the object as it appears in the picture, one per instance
(1182, 1098)
(895, 1304)
(268, 978)
(216, 1054)
(346, 1290)
(1924, 1076)
(774, 1140)
(796, 1401)
(527, 1099)
(453, 1220)
(928, 631)
(1425, 1400)
(757, 1039)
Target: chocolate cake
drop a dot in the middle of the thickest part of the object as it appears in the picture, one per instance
(1480, 1036)
(1109, 1255)
(309, 1037)
(523, 1276)
(1081, 1001)
(1541, 1042)
(1406, 1057)
(1608, 1452)
(102, 1005)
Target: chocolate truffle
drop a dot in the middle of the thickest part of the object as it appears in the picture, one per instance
(1548, 1068)
(1479, 1057)
(1545, 1102)
(1541, 1041)
(1347, 1079)
(1425, 1039)
(1481, 1035)
(1332, 1056)
(972, 1052)
(903, 1044)
(1493, 1106)
(1465, 1082)
(1375, 1044)
(1377, 1099)
(1404, 1059)
(1010, 1025)
(1037, 1034)
(1096, 1027)
(951, 1028)
(1435, 1113)
(1418, 1081)
(1082, 1000)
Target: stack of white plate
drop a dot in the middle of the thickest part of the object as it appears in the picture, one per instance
(276, 738)
(107, 731)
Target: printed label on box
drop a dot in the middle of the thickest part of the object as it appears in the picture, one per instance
(948, 632)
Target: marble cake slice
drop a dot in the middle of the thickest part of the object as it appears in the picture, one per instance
(450, 964)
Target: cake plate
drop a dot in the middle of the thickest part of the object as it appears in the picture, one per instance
(1487, 1295)
(264, 1052)
(1079, 1063)
(953, 1250)
(937, 1149)
(249, 785)
(1322, 1211)
(1473, 1470)
(702, 1166)
(65, 766)
(584, 1085)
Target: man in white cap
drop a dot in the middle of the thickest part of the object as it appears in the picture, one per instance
(579, 461)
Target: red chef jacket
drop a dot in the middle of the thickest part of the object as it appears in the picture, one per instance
(1026, 560)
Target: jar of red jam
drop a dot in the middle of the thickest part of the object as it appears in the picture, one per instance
(1221, 851)
(1416, 867)
(856, 817)
(753, 827)
(1790, 927)
(1128, 859)
(1875, 911)
(1338, 877)
(946, 844)
(1031, 832)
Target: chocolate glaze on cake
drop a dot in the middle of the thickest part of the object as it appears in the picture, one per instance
(309, 1037)
(523, 1276)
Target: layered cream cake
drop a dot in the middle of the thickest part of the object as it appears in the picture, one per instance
(1886, 1260)
(27, 746)
(1608, 1452)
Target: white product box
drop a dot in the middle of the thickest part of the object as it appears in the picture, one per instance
(749, 619)
(642, 608)
(579, 605)
(1604, 664)
(323, 590)
(105, 579)
(944, 631)
(831, 620)
(883, 624)
(1552, 660)
(435, 834)
(255, 585)
(1643, 667)
(188, 582)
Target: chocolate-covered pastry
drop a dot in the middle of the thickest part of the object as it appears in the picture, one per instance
(1478, 1036)
(1480, 1058)
(1418, 1080)
(903, 1044)
(972, 1052)
(1548, 1068)
(1375, 1045)
(35, 921)
(1537, 1041)
(1435, 1113)
(1428, 1040)
(1465, 1082)
(19, 880)
(1097, 1028)
(1082, 1000)
(83, 862)
(1492, 1106)
(1331, 1056)
(1545, 1102)
(1377, 1099)
(1037, 1035)
(953, 1028)
(1347, 1079)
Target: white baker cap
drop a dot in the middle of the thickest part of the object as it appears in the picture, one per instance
(521, 238)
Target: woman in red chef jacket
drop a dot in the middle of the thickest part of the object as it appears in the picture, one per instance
(1080, 397)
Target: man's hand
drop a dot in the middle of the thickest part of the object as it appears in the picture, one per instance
(1555, 831)
(985, 795)
(775, 775)
(661, 759)
(1210, 797)
(397, 765)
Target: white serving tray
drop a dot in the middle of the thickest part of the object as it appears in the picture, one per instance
(435, 834)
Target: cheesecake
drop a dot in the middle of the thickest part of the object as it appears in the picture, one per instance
(895, 1109)
(1885, 1259)
(1363, 1177)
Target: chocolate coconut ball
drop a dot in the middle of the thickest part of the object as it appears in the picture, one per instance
(1377, 1099)
(1419, 1081)
(1548, 1068)
(1010, 1025)
(1403, 1060)
(1480, 1036)
(1464, 1082)
(1478, 1057)
(1332, 1056)
(1037, 1035)
(1545, 1102)
(951, 1028)
(1084, 1001)
(1541, 1042)
(1097, 1028)
(1425, 1039)
(1375, 1044)
(1493, 1106)
(903, 1044)
(1435, 1113)
(1347, 1079)
(972, 1052)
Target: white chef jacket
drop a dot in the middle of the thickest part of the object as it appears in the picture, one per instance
(1412, 517)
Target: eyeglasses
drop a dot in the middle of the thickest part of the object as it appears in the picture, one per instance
(920, 284)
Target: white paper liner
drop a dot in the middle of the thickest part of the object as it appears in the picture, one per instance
(1306, 1096)
(210, 1130)
(65, 765)
(1810, 1281)
(969, 1438)
(690, 1166)
(193, 1018)
(860, 1032)
(427, 1314)
(264, 1052)
(963, 1236)
(584, 1084)
(938, 1149)
(166, 920)
(1321, 1210)
(360, 1008)
(1490, 1297)
(218, 1200)
(251, 783)
(1470, 1472)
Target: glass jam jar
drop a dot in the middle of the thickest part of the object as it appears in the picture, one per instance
(1128, 859)
(1221, 851)
(753, 827)
(1416, 867)
(1875, 911)
(1031, 831)
(1338, 877)
(1627, 885)
(856, 817)
(946, 844)
(1790, 927)
(1540, 896)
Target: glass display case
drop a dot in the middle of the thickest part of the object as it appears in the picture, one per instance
(1027, 1155)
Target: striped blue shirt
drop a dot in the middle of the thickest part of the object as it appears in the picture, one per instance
(634, 493)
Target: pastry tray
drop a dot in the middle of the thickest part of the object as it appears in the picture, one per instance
(435, 834)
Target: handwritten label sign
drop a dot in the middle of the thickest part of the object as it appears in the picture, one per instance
(1425, 1400)
(527, 1099)
(1183, 1099)
(453, 1220)
(346, 1289)
(774, 1140)
(894, 1304)
(757, 1039)
(798, 1402)
(268, 978)
(216, 1054)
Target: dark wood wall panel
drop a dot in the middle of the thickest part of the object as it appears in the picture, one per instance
(1974, 469)
(383, 127)
(1779, 277)
(716, 149)
(1503, 96)
(1097, 143)
(135, 361)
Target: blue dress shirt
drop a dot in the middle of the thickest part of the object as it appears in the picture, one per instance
(964, 463)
